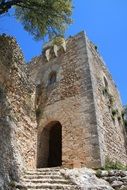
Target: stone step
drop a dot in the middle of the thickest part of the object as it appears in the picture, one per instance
(58, 181)
(43, 169)
(46, 169)
(42, 176)
(47, 178)
(42, 173)
(59, 188)
(50, 186)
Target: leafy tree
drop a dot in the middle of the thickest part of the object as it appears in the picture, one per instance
(40, 17)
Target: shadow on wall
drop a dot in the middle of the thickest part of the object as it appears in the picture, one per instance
(8, 165)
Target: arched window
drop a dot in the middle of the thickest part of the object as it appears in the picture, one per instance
(38, 93)
(105, 82)
(52, 77)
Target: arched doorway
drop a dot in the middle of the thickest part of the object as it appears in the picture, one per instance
(50, 146)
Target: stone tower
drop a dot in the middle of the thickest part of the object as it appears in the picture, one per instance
(78, 108)
(62, 109)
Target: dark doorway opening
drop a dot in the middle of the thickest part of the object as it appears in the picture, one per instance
(50, 146)
(54, 158)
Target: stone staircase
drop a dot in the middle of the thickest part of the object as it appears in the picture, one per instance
(47, 178)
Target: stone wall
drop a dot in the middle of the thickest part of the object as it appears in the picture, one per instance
(116, 178)
(17, 114)
(69, 101)
(111, 130)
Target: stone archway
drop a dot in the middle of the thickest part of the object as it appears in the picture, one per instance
(50, 146)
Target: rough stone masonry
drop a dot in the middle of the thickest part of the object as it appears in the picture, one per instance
(61, 111)
(17, 114)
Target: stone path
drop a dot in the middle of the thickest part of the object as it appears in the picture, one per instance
(47, 178)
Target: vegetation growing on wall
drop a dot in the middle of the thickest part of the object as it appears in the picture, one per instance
(110, 164)
(111, 104)
(124, 116)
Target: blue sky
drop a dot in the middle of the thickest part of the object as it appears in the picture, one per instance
(105, 22)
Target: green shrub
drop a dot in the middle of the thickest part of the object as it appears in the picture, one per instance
(119, 118)
(95, 47)
(123, 114)
(115, 112)
(111, 100)
(109, 164)
(125, 123)
(98, 173)
(12, 184)
(113, 117)
(105, 91)
(1, 93)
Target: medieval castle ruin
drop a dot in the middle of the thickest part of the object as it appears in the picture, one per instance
(61, 109)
